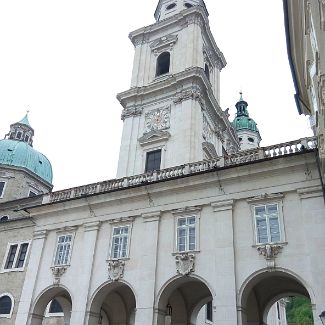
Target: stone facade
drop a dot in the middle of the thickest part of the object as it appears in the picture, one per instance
(212, 226)
(226, 265)
(19, 183)
(305, 27)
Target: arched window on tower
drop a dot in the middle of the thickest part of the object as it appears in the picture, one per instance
(5, 305)
(207, 71)
(163, 64)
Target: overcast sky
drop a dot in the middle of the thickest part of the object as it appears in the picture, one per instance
(66, 60)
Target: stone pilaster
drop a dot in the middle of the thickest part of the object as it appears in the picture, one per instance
(23, 313)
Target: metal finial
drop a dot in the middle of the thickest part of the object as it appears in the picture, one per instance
(241, 95)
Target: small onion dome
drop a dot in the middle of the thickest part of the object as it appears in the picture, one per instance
(242, 120)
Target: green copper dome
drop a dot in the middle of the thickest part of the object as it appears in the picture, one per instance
(242, 120)
(20, 154)
(17, 150)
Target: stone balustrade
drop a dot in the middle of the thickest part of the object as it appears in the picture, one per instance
(238, 158)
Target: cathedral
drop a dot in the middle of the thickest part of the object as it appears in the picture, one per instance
(202, 225)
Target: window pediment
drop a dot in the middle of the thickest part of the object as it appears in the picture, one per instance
(163, 43)
(153, 137)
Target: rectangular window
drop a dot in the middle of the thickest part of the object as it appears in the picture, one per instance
(186, 240)
(16, 256)
(153, 160)
(209, 311)
(2, 188)
(63, 250)
(267, 223)
(120, 242)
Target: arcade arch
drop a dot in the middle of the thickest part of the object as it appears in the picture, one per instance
(260, 292)
(112, 303)
(181, 301)
(61, 295)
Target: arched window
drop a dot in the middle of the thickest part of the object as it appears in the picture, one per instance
(5, 305)
(55, 307)
(4, 218)
(171, 6)
(163, 64)
(207, 71)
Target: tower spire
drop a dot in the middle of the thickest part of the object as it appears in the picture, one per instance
(246, 128)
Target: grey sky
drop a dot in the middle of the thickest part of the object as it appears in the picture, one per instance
(66, 60)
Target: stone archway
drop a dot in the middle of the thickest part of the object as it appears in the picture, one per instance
(263, 290)
(113, 303)
(181, 300)
(61, 295)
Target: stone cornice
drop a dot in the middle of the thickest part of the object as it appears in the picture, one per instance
(152, 216)
(222, 205)
(91, 226)
(183, 19)
(186, 210)
(265, 197)
(121, 220)
(310, 192)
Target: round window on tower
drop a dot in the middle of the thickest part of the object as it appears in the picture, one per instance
(251, 140)
(240, 139)
(171, 6)
(188, 5)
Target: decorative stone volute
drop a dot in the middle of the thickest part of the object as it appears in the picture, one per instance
(270, 251)
(57, 272)
(115, 269)
(185, 263)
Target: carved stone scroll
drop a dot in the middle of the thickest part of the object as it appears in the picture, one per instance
(270, 252)
(57, 272)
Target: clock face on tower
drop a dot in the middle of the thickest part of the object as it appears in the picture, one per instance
(157, 119)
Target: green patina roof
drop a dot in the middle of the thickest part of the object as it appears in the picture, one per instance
(25, 121)
(20, 154)
(242, 120)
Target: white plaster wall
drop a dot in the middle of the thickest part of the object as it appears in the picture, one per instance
(226, 256)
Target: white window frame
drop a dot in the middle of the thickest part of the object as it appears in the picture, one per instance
(15, 269)
(154, 148)
(187, 235)
(187, 212)
(280, 220)
(56, 249)
(4, 188)
(110, 255)
(12, 304)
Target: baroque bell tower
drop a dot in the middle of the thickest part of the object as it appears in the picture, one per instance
(171, 113)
